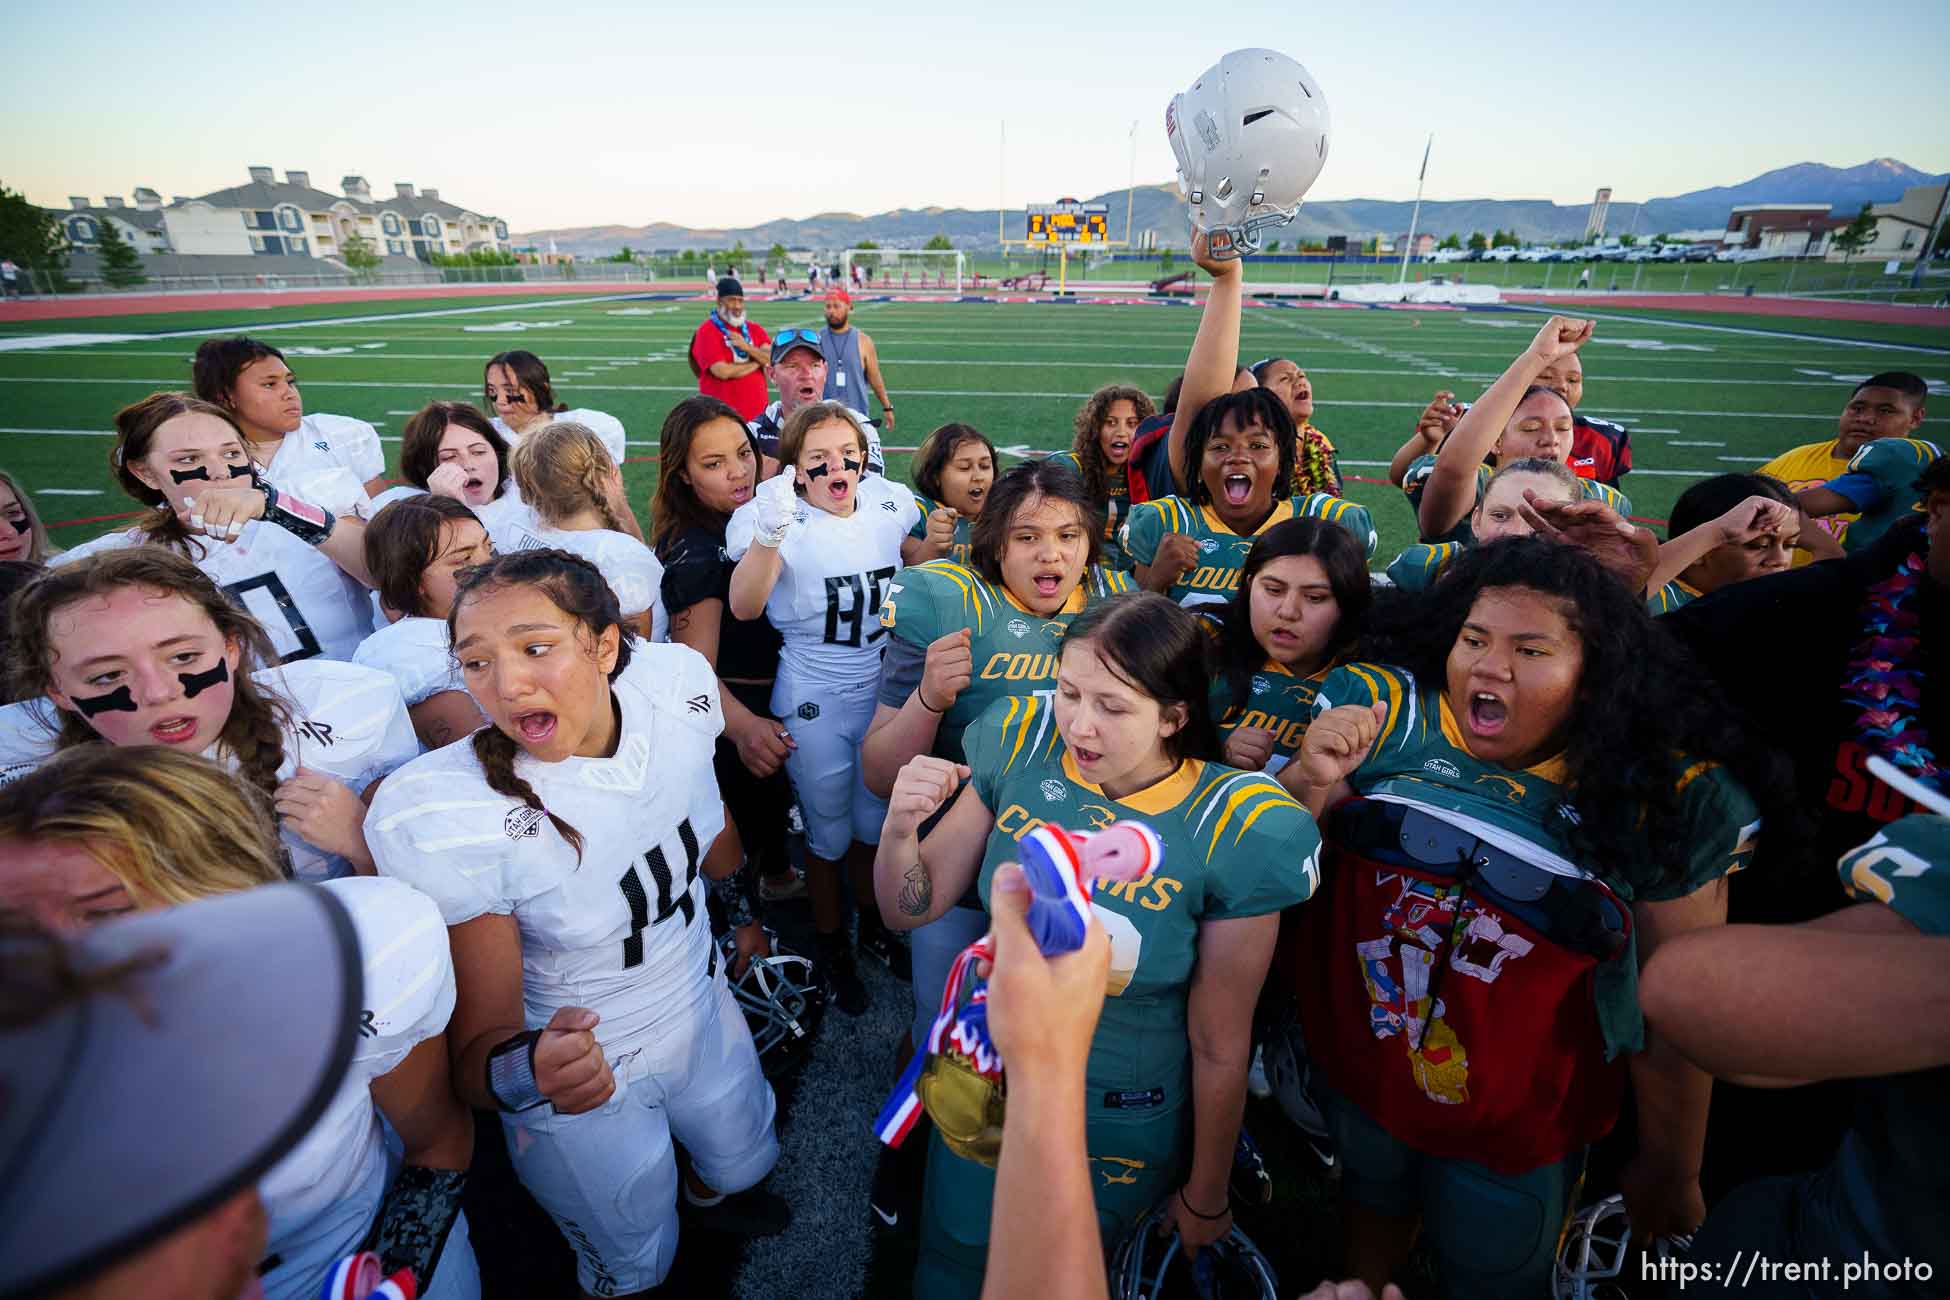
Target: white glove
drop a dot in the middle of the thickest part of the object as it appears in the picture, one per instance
(775, 508)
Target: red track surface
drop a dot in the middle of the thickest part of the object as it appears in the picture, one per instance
(1805, 308)
(148, 303)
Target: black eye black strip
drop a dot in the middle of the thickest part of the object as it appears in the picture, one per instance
(118, 700)
(194, 684)
(820, 470)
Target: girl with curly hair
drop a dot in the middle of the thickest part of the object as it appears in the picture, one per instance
(1523, 795)
(1105, 431)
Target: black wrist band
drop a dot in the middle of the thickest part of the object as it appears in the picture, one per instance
(301, 519)
(1209, 1218)
(921, 695)
(511, 1073)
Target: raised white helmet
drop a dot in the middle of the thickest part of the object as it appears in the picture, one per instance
(1597, 1247)
(1251, 138)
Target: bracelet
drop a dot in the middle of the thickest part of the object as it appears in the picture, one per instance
(1209, 1218)
(922, 696)
(301, 519)
(511, 1073)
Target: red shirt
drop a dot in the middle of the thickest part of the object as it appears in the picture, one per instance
(747, 393)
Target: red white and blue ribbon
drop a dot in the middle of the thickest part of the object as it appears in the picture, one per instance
(1061, 867)
(362, 1277)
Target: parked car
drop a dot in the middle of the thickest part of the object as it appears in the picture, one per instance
(1501, 253)
(1699, 252)
(1450, 255)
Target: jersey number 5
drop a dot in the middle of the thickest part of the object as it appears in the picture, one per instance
(672, 897)
(864, 605)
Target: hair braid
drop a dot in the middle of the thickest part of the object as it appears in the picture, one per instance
(254, 732)
(496, 752)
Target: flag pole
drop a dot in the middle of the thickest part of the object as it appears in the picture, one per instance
(1416, 215)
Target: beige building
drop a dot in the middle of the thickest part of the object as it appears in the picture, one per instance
(292, 217)
(1902, 226)
(140, 226)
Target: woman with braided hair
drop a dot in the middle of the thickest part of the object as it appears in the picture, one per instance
(570, 481)
(567, 845)
(1105, 431)
(139, 647)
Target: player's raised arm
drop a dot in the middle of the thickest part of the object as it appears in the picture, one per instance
(1214, 359)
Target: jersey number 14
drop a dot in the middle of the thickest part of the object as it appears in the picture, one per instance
(672, 897)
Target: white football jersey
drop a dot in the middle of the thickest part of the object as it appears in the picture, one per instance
(620, 928)
(310, 606)
(408, 998)
(604, 426)
(826, 603)
(417, 654)
(28, 731)
(632, 569)
(327, 460)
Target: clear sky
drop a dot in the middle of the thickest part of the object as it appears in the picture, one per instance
(576, 113)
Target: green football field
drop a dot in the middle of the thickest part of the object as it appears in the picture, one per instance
(1702, 393)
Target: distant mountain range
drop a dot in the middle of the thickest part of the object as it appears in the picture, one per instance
(1159, 208)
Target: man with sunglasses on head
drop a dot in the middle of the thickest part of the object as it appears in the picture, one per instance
(798, 371)
(852, 362)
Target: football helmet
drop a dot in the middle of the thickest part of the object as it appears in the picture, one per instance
(1147, 1266)
(1596, 1249)
(1251, 137)
(783, 1002)
(1290, 1072)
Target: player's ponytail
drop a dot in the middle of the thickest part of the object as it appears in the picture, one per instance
(563, 469)
(578, 589)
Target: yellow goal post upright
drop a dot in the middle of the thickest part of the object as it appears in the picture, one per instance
(1063, 225)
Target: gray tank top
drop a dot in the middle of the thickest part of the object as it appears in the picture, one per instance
(846, 380)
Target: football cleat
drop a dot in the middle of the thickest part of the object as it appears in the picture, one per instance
(1251, 138)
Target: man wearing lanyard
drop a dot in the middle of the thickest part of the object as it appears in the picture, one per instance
(729, 353)
(798, 371)
(852, 364)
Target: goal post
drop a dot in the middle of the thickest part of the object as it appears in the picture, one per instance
(907, 268)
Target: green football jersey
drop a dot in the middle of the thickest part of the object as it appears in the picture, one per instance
(964, 527)
(1235, 845)
(1881, 481)
(1417, 477)
(1116, 505)
(1281, 703)
(1013, 651)
(1206, 588)
(1422, 756)
(1670, 597)
(1416, 568)
(1907, 867)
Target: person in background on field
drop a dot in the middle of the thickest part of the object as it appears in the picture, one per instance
(729, 353)
(1315, 468)
(333, 461)
(852, 363)
(798, 370)
(779, 273)
(23, 537)
(1886, 405)
(1105, 433)
(10, 277)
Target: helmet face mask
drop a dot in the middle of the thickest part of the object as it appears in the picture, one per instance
(1150, 1266)
(1251, 137)
(783, 1002)
(1596, 1250)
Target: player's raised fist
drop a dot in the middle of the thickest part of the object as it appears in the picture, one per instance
(448, 480)
(1248, 748)
(775, 508)
(949, 669)
(923, 785)
(1217, 268)
(941, 527)
(570, 1069)
(1337, 742)
(1177, 554)
(1438, 417)
(1560, 337)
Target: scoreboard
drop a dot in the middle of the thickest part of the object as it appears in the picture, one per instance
(1070, 222)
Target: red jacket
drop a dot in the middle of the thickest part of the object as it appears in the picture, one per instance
(708, 347)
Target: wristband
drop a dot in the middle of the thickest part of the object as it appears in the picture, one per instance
(922, 696)
(511, 1073)
(734, 895)
(415, 1219)
(301, 519)
(1209, 1218)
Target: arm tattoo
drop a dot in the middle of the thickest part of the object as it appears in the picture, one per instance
(917, 891)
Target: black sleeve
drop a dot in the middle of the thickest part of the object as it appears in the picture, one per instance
(695, 570)
(900, 671)
(1769, 640)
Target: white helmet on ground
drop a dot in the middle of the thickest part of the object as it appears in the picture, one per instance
(1596, 1248)
(1251, 138)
